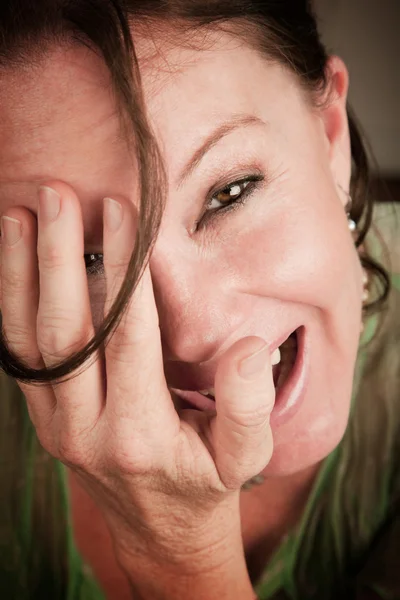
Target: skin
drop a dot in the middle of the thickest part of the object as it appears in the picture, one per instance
(212, 308)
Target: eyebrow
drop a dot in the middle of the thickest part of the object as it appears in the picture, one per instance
(237, 122)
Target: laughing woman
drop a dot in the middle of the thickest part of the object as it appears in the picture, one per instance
(199, 342)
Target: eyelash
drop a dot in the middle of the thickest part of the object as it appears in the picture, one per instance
(96, 266)
(252, 182)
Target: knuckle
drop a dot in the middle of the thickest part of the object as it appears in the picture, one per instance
(70, 452)
(118, 265)
(22, 343)
(56, 334)
(18, 336)
(120, 349)
(51, 257)
(13, 279)
(75, 441)
(128, 458)
(132, 332)
(257, 419)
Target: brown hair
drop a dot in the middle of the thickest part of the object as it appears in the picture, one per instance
(286, 31)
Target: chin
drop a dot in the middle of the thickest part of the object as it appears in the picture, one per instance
(317, 428)
(308, 450)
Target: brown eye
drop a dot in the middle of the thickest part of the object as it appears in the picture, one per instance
(229, 198)
(229, 194)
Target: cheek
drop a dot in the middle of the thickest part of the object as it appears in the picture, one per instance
(302, 253)
(303, 262)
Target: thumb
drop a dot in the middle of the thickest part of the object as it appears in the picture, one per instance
(245, 397)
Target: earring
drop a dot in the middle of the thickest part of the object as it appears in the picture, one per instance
(353, 227)
(365, 286)
(348, 207)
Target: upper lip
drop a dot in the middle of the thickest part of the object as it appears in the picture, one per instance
(193, 384)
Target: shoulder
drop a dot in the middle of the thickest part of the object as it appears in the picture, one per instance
(379, 576)
(379, 410)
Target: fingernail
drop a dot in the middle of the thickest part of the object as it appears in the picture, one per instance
(49, 204)
(112, 214)
(11, 230)
(251, 366)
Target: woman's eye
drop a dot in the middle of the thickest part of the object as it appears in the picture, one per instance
(94, 264)
(229, 194)
(231, 197)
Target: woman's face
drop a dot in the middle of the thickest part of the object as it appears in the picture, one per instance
(283, 261)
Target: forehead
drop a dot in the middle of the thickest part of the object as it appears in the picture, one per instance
(60, 120)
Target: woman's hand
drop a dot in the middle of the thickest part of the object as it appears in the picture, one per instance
(167, 483)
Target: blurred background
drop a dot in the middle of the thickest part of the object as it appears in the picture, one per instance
(366, 34)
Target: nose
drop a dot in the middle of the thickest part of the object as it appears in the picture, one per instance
(195, 311)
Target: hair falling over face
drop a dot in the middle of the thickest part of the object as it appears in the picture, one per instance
(286, 33)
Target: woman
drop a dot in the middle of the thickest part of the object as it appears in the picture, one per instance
(235, 258)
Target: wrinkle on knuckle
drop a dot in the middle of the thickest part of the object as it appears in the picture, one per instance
(18, 336)
(71, 452)
(57, 335)
(256, 419)
(13, 280)
(118, 266)
(129, 457)
(52, 258)
(129, 338)
(122, 349)
(134, 325)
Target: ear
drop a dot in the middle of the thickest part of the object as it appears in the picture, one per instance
(335, 123)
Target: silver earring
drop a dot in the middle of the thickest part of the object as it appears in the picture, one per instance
(353, 227)
(352, 224)
(349, 205)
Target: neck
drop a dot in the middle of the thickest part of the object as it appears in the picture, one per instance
(269, 511)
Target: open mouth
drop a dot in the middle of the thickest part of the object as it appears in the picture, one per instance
(205, 399)
(282, 370)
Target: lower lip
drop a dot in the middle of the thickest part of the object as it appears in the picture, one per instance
(290, 396)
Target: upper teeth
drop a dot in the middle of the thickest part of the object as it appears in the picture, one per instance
(276, 357)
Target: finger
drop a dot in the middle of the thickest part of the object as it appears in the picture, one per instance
(137, 391)
(20, 299)
(245, 396)
(64, 322)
